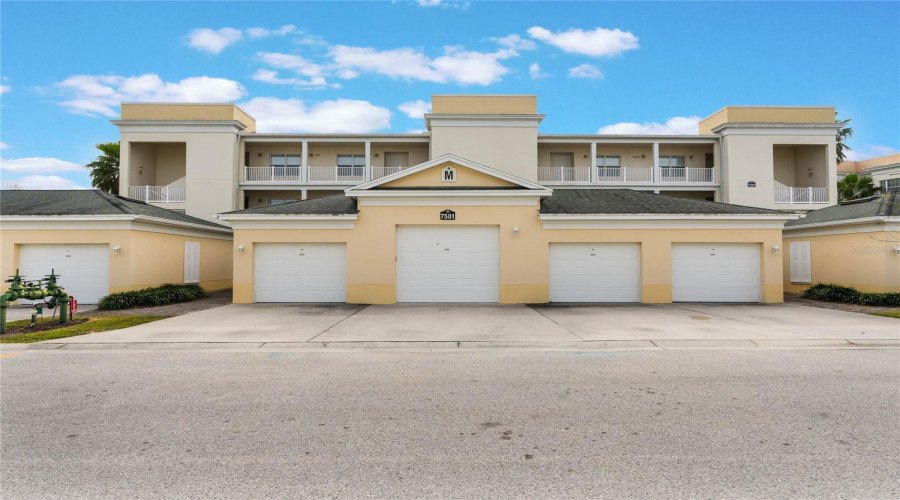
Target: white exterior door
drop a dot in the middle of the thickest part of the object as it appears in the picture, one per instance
(595, 272)
(300, 272)
(83, 269)
(448, 264)
(715, 272)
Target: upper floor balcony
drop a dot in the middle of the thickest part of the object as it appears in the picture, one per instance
(626, 175)
(315, 175)
(158, 194)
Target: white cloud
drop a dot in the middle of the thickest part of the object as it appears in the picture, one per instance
(456, 65)
(415, 109)
(213, 41)
(263, 32)
(5, 88)
(3, 145)
(38, 165)
(446, 5)
(534, 69)
(293, 115)
(94, 95)
(43, 182)
(585, 71)
(515, 42)
(293, 62)
(269, 76)
(417, 131)
(679, 125)
(869, 151)
(599, 42)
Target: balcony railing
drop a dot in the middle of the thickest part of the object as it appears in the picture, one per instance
(379, 172)
(564, 174)
(624, 174)
(272, 174)
(337, 174)
(799, 195)
(686, 174)
(157, 194)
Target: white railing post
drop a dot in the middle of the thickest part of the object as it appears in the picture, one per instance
(656, 173)
(146, 193)
(167, 194)
(809, 194)
(593, 173)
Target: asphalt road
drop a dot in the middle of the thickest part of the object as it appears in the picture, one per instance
(174, 423)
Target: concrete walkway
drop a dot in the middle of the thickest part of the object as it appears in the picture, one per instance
(491, 325)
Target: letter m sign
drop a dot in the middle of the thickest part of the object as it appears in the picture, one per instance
(448, 174)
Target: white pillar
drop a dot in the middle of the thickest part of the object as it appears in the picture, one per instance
(656, 174)
(593, 162)
(304, 162)
(368, 175)
(302, 194)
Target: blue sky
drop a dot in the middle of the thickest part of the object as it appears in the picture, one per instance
(363, 66)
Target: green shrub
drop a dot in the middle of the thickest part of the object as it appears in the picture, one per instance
(156, 296)
(828, 292)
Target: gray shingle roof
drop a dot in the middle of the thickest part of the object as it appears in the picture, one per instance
(628, 201)
(886, 205)
(85, 202)
(335, 204)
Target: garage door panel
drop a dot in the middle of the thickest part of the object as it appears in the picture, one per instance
(300, 272)
(715, 272)
(448, 264)
(83, 269)
(595, 272)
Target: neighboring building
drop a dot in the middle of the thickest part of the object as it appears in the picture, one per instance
(100, 243)
(856, 243)
(884, 170)
(208, 159)
(451, 230)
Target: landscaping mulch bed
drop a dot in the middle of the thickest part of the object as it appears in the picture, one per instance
(43, 326)
(793, 298)
(218, 298)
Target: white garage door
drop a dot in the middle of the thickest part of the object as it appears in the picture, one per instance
(300, 272)
(448, 264)
(715, 272)
(595, 272)
(83, 269)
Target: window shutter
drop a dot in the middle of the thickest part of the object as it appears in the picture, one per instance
(191, 262)
(801, 262)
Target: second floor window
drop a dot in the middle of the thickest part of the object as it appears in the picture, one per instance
(609, 161)
(890, 185)
(285, 161)
(351, 165)
(671, 161)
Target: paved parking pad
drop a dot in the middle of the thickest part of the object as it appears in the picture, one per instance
(668, 325)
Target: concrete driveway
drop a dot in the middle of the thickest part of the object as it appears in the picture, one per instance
(329, 324)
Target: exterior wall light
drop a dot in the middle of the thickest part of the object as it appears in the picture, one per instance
(897, 250)
(515, 230)
(116, 249)
(776, 249)
(240, 248)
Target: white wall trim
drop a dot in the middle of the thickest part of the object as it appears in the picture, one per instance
(718, 217)
(247, 224)
(673, 224)
(868, 226)
(416, 200)
(626, 139)
(356, 190)
(776, 129)
(124, 221)
(423, 138)
(466, 120)
(283, 217)
(172, 126)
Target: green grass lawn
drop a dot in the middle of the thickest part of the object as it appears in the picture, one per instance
(93, 325)
(888, 314)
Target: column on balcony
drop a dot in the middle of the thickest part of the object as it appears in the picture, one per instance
(593, 177)
(368, 171)
(304, 162)
(657, 177)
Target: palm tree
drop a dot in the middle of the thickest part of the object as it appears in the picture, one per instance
(843, 134)
(855, 186)
(105, 169)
